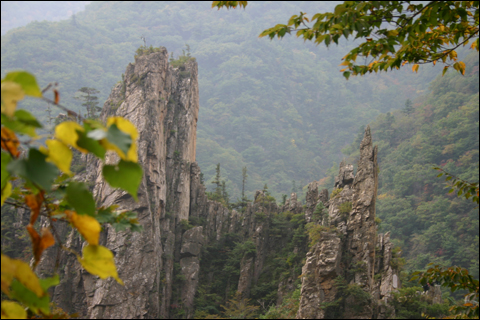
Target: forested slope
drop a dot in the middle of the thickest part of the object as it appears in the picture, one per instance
(430, 224)
(281, 108)
(19, 13)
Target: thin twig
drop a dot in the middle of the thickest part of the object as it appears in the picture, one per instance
(69, 112)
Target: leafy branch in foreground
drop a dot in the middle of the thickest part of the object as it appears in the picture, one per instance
(455, 278)
(45, 184)
(395, 32)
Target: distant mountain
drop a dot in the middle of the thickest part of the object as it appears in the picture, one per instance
(280, 108)
(19, 13)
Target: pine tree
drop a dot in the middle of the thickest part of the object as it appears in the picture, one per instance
(244, 180)
(217, 181)
(90, 101)
(294, 187)
(225, 195)
(265, 190)
(408, 107)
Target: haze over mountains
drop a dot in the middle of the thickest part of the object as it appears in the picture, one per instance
(282, 108)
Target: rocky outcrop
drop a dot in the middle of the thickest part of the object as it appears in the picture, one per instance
(346, 249)
(162, 267)
(163, 103)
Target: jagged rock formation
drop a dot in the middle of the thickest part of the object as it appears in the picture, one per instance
(347, 248)
(162, 266)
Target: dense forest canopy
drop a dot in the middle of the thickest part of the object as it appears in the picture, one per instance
(19, 13)
(430, 224)
(280, 108)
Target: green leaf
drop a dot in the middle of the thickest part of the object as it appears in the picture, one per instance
(122, 140)
(27, 118)
(346, 74)
(26, 80)
(87, 142)
(126, 175)
(5, 161)
(22, 294)
(444, 70)
(35, 169)
(105, 215)
(22, 122)
(80, 198)
(49, 282)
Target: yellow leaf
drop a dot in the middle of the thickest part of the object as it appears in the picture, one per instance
(344, 63)
(59, 154)
(12, 310)
(127, 127)
(123, 125)
(88, 227)
(461, 67)
(415, 67)
(6, 192)
(11, 93)
(392, 33)
(65, 132)
(12, 268)
(8, 273)
(453, 55)
(98, 260)
(474, 45)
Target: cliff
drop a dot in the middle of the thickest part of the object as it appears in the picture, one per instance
(348, 271)
(193, 249)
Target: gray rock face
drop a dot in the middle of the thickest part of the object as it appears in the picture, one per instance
(162, 102)
(162, 265)
(345, 175)
(347, 247)
(318, 274)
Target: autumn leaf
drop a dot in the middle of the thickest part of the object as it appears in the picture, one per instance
(12, 310)
(59, 154)
(10, 142)
(88, 227)
(40, 243)
(128, 128)
(34, 202)
(57, 96)
(6, 192)
(13, 268)
(11, 93)
(66, 132)
(98, 260)
(8, 273)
